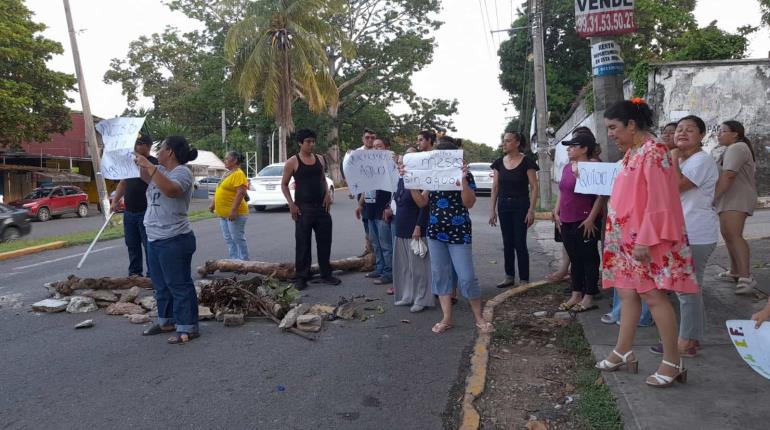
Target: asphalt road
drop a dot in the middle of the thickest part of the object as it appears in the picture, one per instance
(377, 374)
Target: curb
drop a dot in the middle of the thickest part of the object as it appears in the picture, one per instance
(32, 250)
(544, 216)
(476, 380)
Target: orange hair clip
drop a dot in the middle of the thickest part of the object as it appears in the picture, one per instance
(638, 101)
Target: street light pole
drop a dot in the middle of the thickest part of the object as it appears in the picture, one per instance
(541, 103)
(101, 186)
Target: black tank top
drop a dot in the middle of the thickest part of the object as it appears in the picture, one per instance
(309, 183)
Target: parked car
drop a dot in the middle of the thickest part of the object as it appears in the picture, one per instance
(208, 183)
(265, 188)
(46, 202)
(482, 174)
(13, 223)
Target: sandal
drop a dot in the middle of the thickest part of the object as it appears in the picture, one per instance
(182, 338)
(487, 327)
(625, 360)
(440, 327)
(745, 286)
(566, 306)
(578, 308)
(727, 276)
(662, 381)
(158, 329)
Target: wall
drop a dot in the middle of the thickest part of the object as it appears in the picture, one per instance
(70, 144)
(718, 91)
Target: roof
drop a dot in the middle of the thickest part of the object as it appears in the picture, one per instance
(54, 174)
(205, 158)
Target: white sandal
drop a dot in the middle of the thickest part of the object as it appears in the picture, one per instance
(662, 381)
(631, 365)
(727, 276)
(745, 285)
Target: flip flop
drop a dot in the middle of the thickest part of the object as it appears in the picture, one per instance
(566, 306)
(440, 327)
(182, 338)
(157, 329)
(487, 327)
(578, 308)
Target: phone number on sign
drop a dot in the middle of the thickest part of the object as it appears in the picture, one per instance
(607, 23)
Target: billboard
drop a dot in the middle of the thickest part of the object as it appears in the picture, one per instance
(604, 17)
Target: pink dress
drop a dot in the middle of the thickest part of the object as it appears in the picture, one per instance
(645, 209)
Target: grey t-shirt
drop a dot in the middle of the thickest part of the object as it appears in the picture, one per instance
(166, 217)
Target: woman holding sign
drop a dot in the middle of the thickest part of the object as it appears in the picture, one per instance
(645, 252)
(171, 242)
(449, 245)
(514, 193)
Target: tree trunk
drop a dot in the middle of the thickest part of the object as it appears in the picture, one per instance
(283, 271)
(333, 155)
(73, 283)
(282, 136)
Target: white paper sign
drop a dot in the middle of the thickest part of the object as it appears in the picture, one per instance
(439, 170)
(119, 136)
(370, 170)
(752, 344)
(596, 178)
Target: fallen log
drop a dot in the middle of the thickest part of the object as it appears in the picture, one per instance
(72, 283)
(283, 271)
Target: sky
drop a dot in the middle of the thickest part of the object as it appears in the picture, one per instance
(465, 64)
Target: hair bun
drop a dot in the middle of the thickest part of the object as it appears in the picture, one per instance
(192, 155)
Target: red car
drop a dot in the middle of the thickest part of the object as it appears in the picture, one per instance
(44, 203)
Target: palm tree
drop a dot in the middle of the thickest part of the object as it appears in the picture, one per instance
(278, 56)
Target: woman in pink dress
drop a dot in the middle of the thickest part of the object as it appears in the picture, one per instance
(645, 253)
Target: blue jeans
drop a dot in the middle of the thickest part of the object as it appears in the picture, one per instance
(382, 244)
(136, 238)
(644, 321)
(233, 232)
(170, 261)
(460, 257)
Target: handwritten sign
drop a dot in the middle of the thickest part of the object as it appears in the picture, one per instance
(439, 170)
(119, 136)
(370, 170)
(596, 178)
(752, 344)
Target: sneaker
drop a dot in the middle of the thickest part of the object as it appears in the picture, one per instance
(657, 349)
(300, 284)
(328, 280)
(608, 319)
(373, 275)
(401, 303)
(745, 286)
(382, 281)
(416, 308)
(507, 282)
(690, 352)
(390, 291)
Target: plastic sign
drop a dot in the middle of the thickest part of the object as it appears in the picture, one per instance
(606, 59)
(370, 170)
(119, 137)
(752, 344)
(596, 177)
(604, 17)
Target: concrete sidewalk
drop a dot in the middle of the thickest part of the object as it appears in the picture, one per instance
(722, 392)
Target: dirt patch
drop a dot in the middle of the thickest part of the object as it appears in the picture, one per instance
(540, 370)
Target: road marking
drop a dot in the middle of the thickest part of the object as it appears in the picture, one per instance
(62, 258)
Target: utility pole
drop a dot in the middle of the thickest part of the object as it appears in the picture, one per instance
(89, 120)
(224, 131)
(607, 90)
(541, 103)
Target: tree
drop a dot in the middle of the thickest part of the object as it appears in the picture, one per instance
(710, 43)
(764, 7)
(32, 96)
(278, 56)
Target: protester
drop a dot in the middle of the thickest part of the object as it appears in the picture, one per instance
(667, 135)
(697, 181)
(425, 140)
(577, 218)
(449, 243)
(367, 142)
(645, 253)
(133, 192)
(170, 240)
(735, 199)
(371, 206)
(229, 205)
(309, 209)
(514, 194)
(411, 272)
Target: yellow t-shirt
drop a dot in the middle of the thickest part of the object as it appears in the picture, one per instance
(225, 194)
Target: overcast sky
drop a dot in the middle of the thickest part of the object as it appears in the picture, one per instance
(465, 64)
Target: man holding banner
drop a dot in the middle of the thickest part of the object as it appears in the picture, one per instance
(133, 192)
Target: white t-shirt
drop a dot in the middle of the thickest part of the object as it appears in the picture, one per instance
(700, 217)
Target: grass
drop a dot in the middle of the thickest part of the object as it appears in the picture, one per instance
(114, 231)
(595, 408)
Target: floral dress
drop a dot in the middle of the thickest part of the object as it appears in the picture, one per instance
(645, 209)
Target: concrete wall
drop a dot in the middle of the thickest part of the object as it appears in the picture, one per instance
(718, 91)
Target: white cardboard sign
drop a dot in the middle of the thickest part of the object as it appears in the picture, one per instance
(438, 170)
(596, 178)
(119, 136)
(752, 344)
(370, 170)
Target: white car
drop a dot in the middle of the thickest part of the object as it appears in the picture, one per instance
(482, 174)
(265, 188)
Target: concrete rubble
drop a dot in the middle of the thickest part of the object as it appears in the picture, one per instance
(80, 305)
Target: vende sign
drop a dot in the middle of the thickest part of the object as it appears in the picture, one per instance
(604, 17)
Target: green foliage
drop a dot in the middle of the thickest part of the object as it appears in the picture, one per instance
(764, 7)
(710, 43)
(638, 76)
(32, 97)
(478, 152)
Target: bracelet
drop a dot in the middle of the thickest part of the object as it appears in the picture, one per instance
(153, 173)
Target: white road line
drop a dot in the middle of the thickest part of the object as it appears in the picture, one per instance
(62, 258)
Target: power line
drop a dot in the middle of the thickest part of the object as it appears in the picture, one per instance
(484, 29)
(497, 20)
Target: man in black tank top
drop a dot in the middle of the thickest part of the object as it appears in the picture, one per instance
(309, 209)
